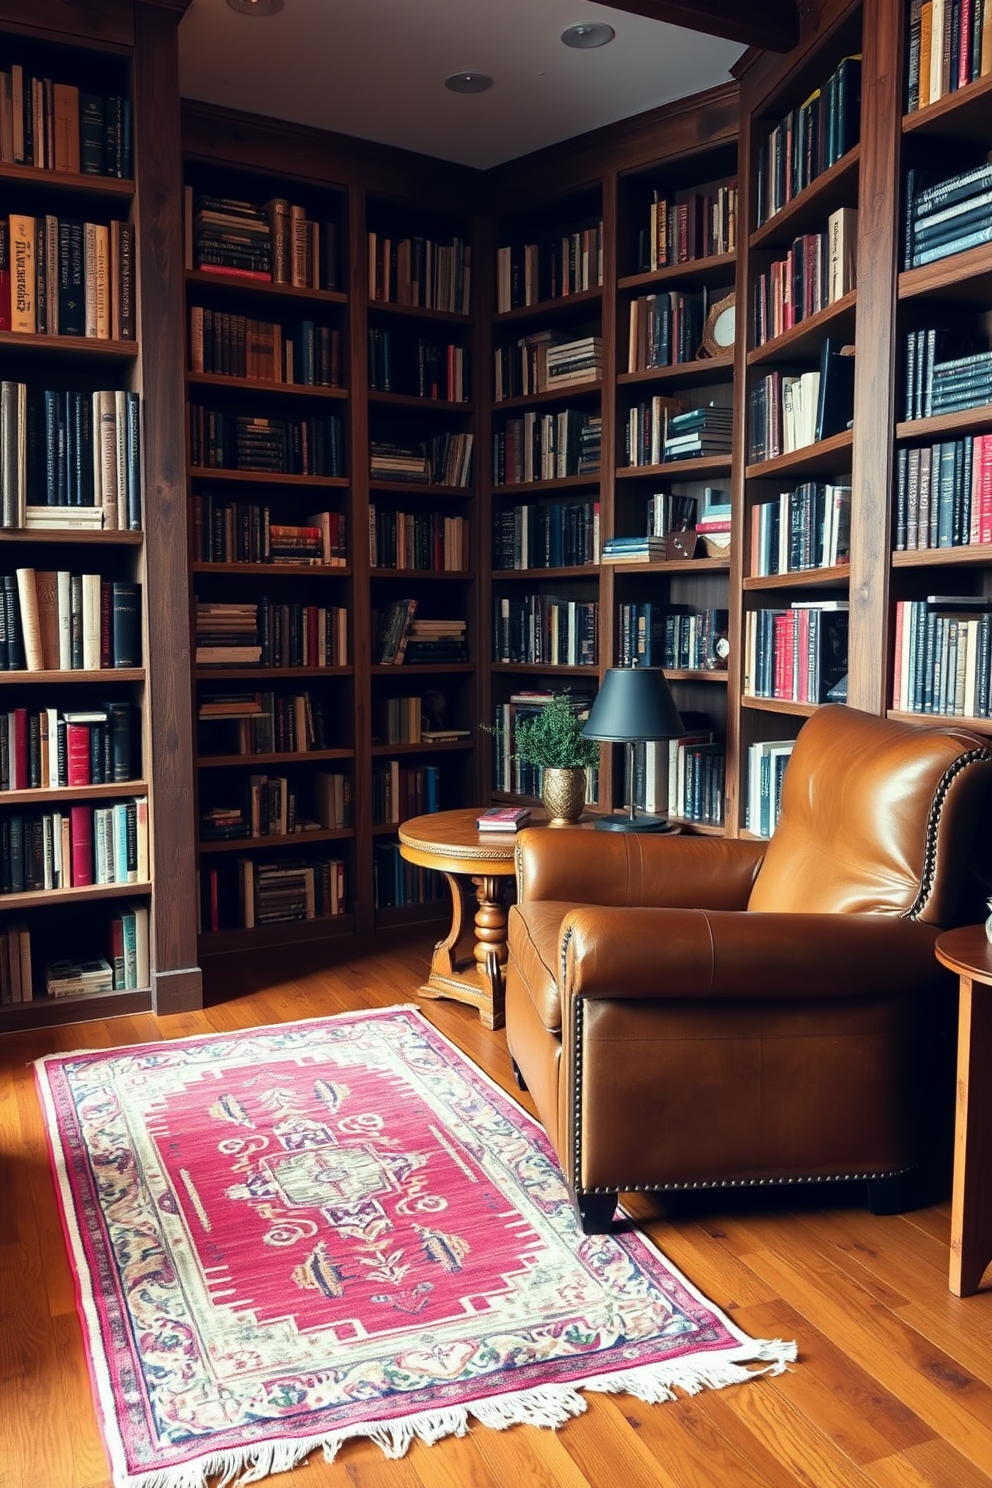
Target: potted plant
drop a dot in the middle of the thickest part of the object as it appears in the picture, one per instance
(553, 739)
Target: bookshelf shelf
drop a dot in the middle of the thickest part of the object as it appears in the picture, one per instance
(70, 537)
(692, 271)
(420, 488)
(386, 669)
(806, 338)
(236, 761)
(584, 302)
(689, 374)
(978, 725)
(84, 347)
(446, 746)
(544, 669)
(53, 182)
(456, 575)
(239, 284)
(422, 405)
(974, 555)
(44, 679)
(812, 459)
(695, 828)
(267, 570)
(964, 277)
(289, 933)
(47, 1012)
(290, 839)
(801, 578)
(564, 483)
(275, 674)
(663, 566)
(696, 674)
(417, 312)
(38, 795)
(38, 898)
(678, 470)
(267, 478)
(964, 114)
(257, 385)
(575, 392)
(778, 705)
(528, 575)
(969, 420)
(810, 209)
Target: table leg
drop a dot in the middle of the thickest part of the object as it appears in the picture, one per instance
(446, 962)
(971, 1200)
(490, 941)
(475, 977)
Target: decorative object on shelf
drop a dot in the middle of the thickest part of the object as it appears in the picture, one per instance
(681, 545)
(354, 1241)
(720, 328)
(555, 740)
(633, 704)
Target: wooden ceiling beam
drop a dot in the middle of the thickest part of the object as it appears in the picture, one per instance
(772, 25)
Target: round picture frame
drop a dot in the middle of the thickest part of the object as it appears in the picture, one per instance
(720, 328)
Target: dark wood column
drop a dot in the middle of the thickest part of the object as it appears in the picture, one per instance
(176, 979)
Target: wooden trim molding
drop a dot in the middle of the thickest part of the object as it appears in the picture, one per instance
(773, 25)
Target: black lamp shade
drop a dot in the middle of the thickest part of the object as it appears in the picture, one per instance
(633, 703)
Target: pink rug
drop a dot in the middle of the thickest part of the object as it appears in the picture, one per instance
(290, 1236)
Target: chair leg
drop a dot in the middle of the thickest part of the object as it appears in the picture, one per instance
(595, 1211)
(521, 1082)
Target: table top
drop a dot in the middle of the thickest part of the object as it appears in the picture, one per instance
(967, 952)
(451, 841)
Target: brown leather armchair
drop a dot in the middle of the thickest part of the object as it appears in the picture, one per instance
(691, 1012)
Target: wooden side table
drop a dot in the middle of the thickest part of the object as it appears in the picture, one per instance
(967, 952)
(451, 843)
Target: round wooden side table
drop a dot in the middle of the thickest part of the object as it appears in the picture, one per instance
(451, 843)
(968, 954)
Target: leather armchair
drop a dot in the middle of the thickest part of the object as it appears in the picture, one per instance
(693, 1012)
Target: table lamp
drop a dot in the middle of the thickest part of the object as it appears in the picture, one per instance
(633, 705)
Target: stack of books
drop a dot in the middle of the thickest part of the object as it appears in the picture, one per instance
(569, 362)
(503, 819)
(963, 382)
(713, 523)
(230, 236)
(665, 329)
(633, 549)
(946, 216)
(431, 641)
(946, 55)
(227, 634)
(699, 432)
(69, 978)
(925, 349)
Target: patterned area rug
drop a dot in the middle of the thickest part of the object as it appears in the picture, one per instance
(293, 1235)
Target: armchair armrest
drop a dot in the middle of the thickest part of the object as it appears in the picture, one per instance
(636, 954)
(636, 868)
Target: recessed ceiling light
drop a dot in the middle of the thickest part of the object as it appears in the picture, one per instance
(257, 7)
(582, 37)
(468, 82)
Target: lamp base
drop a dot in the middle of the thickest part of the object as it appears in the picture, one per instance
(621, 821)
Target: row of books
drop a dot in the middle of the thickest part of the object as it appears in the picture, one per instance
(556, 265)
(16, 975)
(683, 778)
(278, 446)
(237, 896)
(420, 271)
(65, 277)
(797, 654)
(128, 968)
(418, 368)
(554, 534)
(687, 226)
(266, 722)
(268, 633)
(766, 765)
(273, 241)
(663, 430)
(666, 328)
(810, 139)
(925, 351)
(547, 446)
(69, 459)
(442, 460)
(672, 636)
(809, 527)
(106, 844)
(943, 656)
(950, 45)
(226, 531)
(788, 411)
(952, 385)
(944, 494)
(58, 126)
(423, 540)
(270, 806)
(54, 620)
(228, 345)
(397, 884)
(818, 269)
(513, 775)
(399, 635)
(545, 629)
(543, 363)
(400, 792)
(401, 719)
(946, 214)
(56, 747)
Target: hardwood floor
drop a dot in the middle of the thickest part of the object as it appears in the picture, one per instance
(893, 1387)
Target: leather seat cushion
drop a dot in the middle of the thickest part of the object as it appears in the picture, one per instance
(534, 936)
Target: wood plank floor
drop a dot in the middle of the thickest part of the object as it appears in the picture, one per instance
(893, 1388)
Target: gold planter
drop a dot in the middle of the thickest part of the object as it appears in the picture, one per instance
(564, 794)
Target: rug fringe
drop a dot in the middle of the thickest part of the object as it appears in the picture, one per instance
(546, 1405)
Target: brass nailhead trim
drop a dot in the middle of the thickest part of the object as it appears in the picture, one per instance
(973, 756)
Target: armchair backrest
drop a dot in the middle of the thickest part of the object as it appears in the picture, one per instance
(880, 817)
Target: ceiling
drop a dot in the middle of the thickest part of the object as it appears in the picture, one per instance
(376, 69)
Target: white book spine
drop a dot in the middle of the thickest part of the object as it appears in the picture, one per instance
(91, 622)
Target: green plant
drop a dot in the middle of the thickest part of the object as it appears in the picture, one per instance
(553, 738)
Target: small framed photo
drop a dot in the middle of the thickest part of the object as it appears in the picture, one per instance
(720, 328)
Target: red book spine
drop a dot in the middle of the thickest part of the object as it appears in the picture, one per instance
(77, 754)
(106, 625)
(81, 845)
(985, 506)
(313, 635)
(20, 768)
